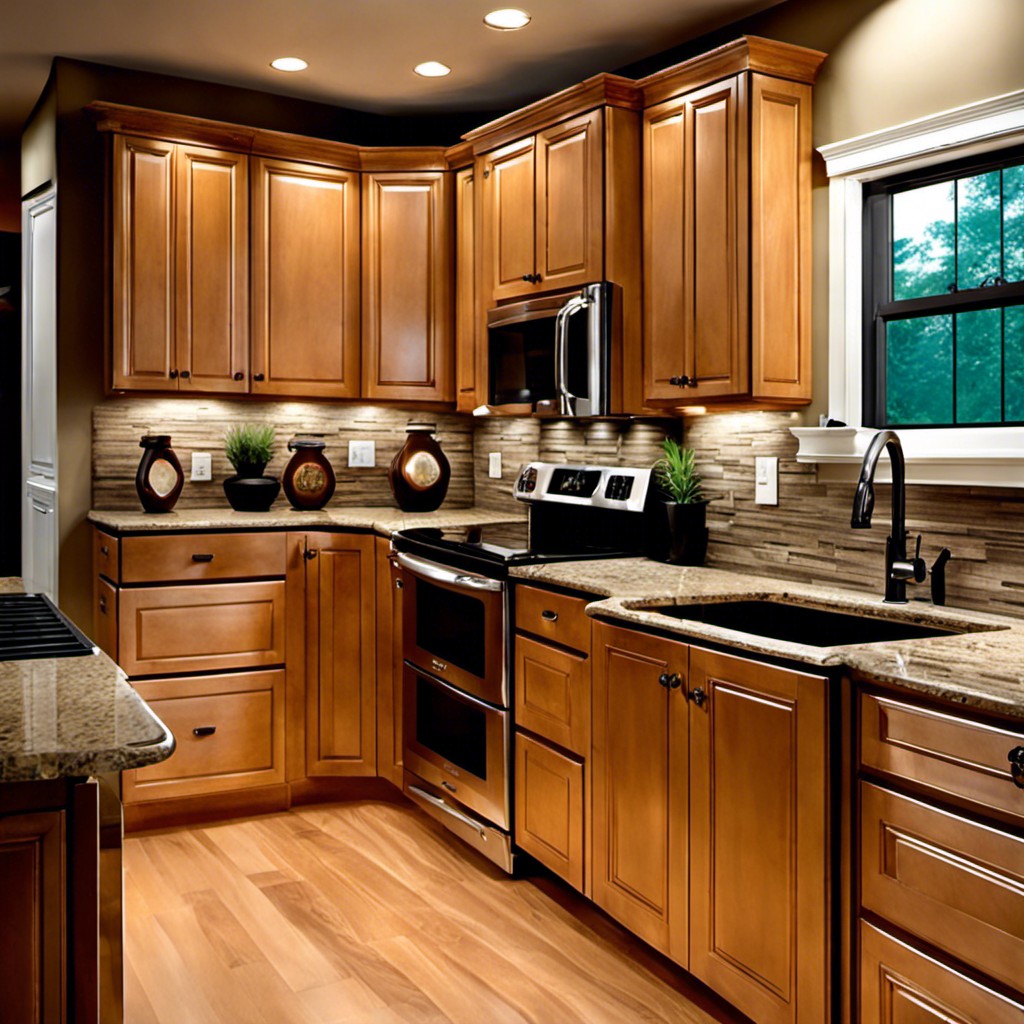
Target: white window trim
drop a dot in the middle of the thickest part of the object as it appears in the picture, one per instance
(976, 456)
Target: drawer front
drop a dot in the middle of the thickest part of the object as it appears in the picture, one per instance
(899, 985)
(168, 558)
(106, 555)
(104, 616)
(171, 630)
(229, 733)
(553, 694)
(957, 884)
(553, 616)
(549, 808)
(951, 755)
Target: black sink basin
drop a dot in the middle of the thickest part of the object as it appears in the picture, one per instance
(800, 624)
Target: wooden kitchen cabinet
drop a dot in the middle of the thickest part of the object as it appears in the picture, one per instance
(180, 267)
(407, 308)
(305, 280)
(390, 584)
(470, 387)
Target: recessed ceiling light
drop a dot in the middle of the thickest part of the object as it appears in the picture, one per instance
(289, 64)
(432, 69)
(507, 19)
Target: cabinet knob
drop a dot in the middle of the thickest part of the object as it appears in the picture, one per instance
(173, 374)
(309, 554)
(105, 551)
(698, 696)
(683, 382)
(204, 730)
(1016, 759)
(257, 376)
(670, 680)
(185, 374)
(549, 615)
(103, 606)
(399, 585)
(238, 375)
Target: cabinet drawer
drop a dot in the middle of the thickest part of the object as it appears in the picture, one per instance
(549, 808)
(553, 694)
(104, 616)
(171, 630)
(553, 616)
(951, 755)
(899, 985)
(229, 733)
(165, 558)
(957, 884)
(106, 553)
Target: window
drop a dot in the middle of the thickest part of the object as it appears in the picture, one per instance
(944, 295)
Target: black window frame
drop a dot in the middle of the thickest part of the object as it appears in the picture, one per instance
(880, 308)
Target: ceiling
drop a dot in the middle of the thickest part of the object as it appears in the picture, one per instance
(360, 52)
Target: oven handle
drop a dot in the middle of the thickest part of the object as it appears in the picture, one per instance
(432, 571)
(443, 805)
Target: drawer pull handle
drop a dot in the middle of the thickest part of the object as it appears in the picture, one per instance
(204, 730)
(103, 606)
(1016, 759)
(202, 558)
(549, 615)
(104, 551)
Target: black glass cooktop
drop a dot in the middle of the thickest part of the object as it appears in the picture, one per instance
(31, 627)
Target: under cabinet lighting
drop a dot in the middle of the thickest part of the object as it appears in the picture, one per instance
(432, 69)
(289, 64)
(507, 19)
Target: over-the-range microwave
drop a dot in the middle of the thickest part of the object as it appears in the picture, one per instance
(556, 352)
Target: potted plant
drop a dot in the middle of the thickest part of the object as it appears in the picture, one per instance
(677, 531)
(249, 448)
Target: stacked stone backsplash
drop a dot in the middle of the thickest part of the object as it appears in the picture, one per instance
(198, 425)
(808, 537)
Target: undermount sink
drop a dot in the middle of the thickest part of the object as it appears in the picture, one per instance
(798, 623)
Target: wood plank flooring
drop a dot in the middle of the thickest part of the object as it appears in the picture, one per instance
(370, 913)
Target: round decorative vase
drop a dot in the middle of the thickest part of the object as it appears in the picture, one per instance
(251, 493)
(159, 478)
(676, 533)
(419, 473)
(308, 478)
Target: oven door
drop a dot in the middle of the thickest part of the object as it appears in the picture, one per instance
(454, 626)
(458, 743)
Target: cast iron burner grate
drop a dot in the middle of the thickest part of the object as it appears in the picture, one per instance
(31, 627)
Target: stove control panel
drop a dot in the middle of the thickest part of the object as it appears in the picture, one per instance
(617, 487)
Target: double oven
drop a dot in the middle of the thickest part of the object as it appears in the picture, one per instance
(457, 637)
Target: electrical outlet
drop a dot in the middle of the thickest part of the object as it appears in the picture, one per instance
(766, 480)
(202, 466)
(362, 454)
(494, 465)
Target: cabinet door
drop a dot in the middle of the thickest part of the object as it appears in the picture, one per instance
(758, 837)
(212, 270)
(144, 299)
(639, 772)
(341, 696)
(570, 214)
(305, 280)
(509, 184)
(470, 390)
(407, 286)
(695, 246)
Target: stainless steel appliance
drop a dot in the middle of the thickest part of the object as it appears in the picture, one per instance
(457, 636)
(557, 353)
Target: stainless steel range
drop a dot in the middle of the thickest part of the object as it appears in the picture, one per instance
(457, 636)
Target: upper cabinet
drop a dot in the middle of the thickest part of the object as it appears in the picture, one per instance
(727, 227)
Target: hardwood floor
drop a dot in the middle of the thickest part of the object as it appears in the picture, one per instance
(369, 912)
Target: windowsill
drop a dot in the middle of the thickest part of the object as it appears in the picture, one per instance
(964, 456)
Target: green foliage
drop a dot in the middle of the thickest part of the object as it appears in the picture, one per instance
(676, 474)
(249, 447)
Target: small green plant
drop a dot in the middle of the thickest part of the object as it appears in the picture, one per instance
(676, 474)
(249, 448)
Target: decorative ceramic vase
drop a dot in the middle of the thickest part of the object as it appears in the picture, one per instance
(159, 478)
(676, 533)
(308, 479)
(419, 473)
(249, 490)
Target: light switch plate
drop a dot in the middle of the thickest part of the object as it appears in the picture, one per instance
(766, 480)
(494, 465)
(202, 468)
(362, 454)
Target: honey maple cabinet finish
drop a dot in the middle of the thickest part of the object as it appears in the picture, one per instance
(104, 615)
(389, 664)
(157, 558)
(407, 286)
(106, 555)
(899, 985)
(470, 389)
(558, 618)
(180, 237)
(305, 280)
(552, 693)
(549, 808)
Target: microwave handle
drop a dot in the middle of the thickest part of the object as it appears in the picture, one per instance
(441, 574)
(566, 399)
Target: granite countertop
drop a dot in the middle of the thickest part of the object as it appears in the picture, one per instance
(384, 520)
(982, 669)
(73, 716)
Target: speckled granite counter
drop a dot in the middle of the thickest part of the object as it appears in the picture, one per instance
(983, 669)
(73, 716)
(381, 519)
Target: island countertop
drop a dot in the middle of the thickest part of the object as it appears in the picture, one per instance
(73, 716)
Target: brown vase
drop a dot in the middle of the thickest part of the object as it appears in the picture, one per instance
(419, 473)
(308, 479)
(159, 478)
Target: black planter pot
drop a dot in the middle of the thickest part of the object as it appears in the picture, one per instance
(676, 533)
(251, 493)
